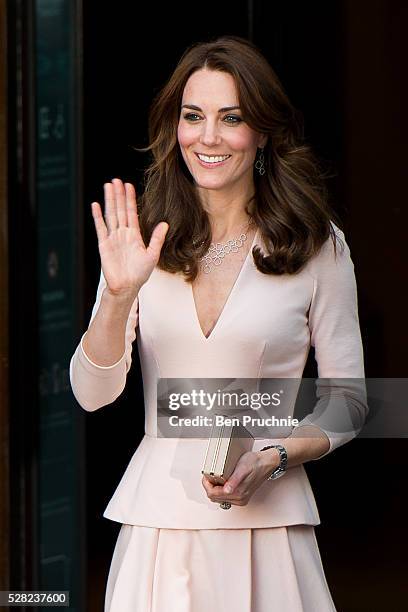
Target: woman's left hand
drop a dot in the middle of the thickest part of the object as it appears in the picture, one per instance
(251, 471)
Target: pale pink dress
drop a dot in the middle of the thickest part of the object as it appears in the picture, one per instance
(177, 550)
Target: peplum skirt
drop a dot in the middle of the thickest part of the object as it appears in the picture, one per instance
(276, 569)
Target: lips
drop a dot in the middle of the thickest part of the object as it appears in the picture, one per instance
(210, 161)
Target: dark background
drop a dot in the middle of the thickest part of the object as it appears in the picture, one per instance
(343, 65)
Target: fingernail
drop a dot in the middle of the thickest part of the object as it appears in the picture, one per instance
(228, 489)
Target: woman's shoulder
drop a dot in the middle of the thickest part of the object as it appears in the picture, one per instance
(332, 255)
(335, 241)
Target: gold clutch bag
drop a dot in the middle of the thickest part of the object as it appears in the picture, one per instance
(225, 446)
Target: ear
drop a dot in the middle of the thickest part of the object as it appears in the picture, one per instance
(263, 139)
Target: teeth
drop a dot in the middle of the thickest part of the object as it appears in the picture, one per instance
(212, 159)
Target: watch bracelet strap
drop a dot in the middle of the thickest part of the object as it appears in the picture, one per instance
(283, 459)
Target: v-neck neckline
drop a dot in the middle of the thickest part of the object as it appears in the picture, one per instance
(227, 301)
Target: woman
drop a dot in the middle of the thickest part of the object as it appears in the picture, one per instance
(229, 167)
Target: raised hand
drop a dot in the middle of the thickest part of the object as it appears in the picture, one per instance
(126, 262)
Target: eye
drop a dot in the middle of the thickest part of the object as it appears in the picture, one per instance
(232, 119)
(191, 116)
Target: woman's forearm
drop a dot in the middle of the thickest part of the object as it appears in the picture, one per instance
(304, 444)
(104, 341)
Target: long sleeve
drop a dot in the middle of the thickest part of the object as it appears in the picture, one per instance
(262, 338)
(341, 408)
(93, 385)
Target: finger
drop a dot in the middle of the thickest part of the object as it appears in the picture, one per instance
(101, 229)
(216, 493)
(111, 218)
(131, 206)
(233, 499)
(234, 502)
(157, 238)
(210, 488)
(220, 494)
(120, 198)
(235, 480)
(215, 489)
(204, 482)
(208, 484)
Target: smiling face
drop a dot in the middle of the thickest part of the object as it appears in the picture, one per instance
(218, 147)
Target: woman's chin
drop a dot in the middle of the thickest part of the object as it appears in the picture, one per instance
(216, 185)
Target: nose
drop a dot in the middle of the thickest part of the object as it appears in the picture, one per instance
(210, 134)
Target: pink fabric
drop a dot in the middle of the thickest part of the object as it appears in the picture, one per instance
(264, 331)
(245, 570)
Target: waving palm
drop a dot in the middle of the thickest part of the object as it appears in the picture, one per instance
(126, 262)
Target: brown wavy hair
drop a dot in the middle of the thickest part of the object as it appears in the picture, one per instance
(290, 204)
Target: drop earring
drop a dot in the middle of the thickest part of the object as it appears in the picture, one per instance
(260, 162)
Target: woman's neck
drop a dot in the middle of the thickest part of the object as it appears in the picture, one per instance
(227, 214)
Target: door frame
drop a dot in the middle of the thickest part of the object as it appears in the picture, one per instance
(4, 315)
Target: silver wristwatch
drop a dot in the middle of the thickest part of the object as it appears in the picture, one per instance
(281, 468)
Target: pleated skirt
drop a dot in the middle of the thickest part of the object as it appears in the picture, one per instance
(197, 570)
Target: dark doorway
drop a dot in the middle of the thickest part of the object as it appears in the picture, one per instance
(337, 62)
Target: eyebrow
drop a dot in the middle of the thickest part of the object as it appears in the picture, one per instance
(220, 110)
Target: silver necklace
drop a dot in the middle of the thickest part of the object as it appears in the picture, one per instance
(218, 250)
